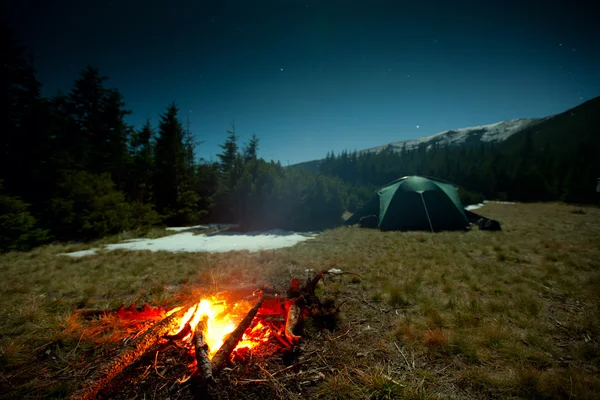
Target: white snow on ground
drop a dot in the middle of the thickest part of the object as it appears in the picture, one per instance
(217, 242)
(472, 207)
(186, 228)
(81, 253)
(198, 227)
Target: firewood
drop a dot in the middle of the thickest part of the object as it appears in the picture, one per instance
(311, 284)
(223, 354)
(132, 312)
(128, 355)
(201, 347)
(293, 318)
(240, 293)
(187, 329)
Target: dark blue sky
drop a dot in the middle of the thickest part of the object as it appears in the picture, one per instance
(312, 76)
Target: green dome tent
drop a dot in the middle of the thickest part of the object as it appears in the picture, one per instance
(415, 203)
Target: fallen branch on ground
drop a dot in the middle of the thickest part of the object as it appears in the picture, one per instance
(132, 352)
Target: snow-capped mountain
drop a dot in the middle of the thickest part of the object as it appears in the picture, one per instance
(497, 132)
(564, 134)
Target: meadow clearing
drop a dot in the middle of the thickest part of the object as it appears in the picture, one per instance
(453, 315)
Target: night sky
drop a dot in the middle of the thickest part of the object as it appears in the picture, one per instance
(312, 76)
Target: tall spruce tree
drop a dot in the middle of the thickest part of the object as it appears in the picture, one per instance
(231, 162)
(230, 151)
(86, 106)
(142, 164)
(23, 136)
(169, 161)
(116, 135)
(251, 149)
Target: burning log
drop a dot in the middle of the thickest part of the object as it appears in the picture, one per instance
(187, 329)
(131, 353)
(201, 349)
(293, 318)
(247, 292)
(233, 339)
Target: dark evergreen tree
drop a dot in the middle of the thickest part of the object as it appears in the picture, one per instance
(142, 165)
(251, 149)
(85, 105)
(23, 137)
(169, 162)
(230, 151)
(115, 137)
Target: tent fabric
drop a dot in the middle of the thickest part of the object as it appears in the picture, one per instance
(415, 203)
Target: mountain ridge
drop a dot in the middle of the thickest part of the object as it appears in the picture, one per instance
(497, 132)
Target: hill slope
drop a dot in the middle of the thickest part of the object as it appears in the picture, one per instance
(577, 124)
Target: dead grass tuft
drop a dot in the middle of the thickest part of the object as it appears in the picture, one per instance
(435, 338)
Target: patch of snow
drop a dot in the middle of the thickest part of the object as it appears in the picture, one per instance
(186, 228)
(81, 253)
(218, 242)
(474, 206)
(198, 227)
(335, 271)
(498, 202)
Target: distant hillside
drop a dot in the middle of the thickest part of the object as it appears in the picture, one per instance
(562, 133)
(548, 129)
(548, 159)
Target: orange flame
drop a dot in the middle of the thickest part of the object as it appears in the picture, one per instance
(220, 324)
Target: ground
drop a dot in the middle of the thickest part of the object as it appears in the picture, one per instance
(462, 315)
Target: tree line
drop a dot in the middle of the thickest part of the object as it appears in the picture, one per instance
(530, 166)
(71, 168)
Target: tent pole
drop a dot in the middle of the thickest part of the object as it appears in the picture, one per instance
(426, 212)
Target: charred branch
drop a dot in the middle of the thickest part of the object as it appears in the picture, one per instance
(293, 318)
(128, 355)
(224, 353)
(187, 329)
(202, 350)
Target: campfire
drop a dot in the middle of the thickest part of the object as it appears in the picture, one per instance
(217, 330)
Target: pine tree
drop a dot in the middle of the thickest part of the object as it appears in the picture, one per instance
(115, 134)
(230, 151)
(251, 149)
(169, 161)
(142, 163)
(21, 136)
(86, 105)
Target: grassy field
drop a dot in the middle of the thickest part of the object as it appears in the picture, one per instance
(512, 314)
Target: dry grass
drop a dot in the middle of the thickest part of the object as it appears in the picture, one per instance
(512, 314)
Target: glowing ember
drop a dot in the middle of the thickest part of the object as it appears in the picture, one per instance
(221, 321)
